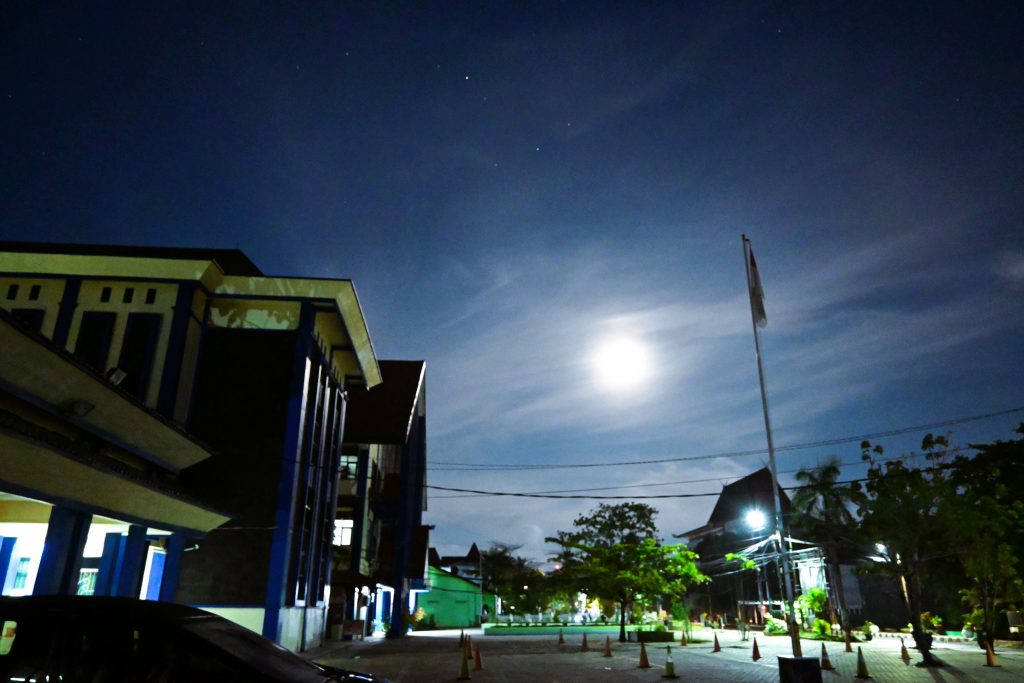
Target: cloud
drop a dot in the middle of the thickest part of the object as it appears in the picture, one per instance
(515, 382)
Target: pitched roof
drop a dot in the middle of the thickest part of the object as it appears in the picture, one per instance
(384, 414)
(753, 490)
(231, 261)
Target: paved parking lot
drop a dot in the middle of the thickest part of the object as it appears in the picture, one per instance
(430, 657)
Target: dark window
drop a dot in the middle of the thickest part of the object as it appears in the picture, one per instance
(12, 292)
(105, 294)
(137, 352)
(129, 294)
(94, 335)
(33, 293)
(150, 296)
(31, 318)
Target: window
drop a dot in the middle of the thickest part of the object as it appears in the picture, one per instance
(129, 294)
(105, 294)
(12, 292)
(33, 293)
(94, 335)
(87, 581)
(150, 296)
(137, 352)
(31, 318)
(21, 574)
(343, 532)
(349, 466)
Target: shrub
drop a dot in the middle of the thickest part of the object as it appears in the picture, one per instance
(774, 627)
(822, 628)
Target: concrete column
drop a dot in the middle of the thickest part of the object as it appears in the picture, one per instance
(172, 567)
(62, 552)
(131, 561)
(108, 564)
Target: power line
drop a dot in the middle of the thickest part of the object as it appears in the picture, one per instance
(724, 480)
(440, 465)
(523, 494)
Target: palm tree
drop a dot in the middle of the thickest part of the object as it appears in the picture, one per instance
(823, 508)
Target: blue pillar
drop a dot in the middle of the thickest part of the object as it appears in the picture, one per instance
(108, 564)
(130, 563)
(62, 552)
(6, 550)
(177, 338)
(281, 543)
(172, 568)
(66, 312)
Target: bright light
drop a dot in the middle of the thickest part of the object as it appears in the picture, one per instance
(622, 363)
(756, 520)
(880, 547)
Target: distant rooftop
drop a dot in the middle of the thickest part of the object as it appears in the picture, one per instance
(231, 261)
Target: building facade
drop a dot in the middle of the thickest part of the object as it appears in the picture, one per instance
(381, 543)
(254, 367)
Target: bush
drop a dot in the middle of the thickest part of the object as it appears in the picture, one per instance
(774, 627)
(868, 629)
(822, 628)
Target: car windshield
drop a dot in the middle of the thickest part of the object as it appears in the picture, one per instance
(262, 654)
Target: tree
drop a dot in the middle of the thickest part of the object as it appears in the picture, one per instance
(614, 553)
(984, 522)
(823, 508)
(899, 511)
(516, 580)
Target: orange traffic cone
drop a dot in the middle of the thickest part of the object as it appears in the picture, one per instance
(464, 669)
(644, 664)
(826, 663)
(584, 648)
(849, 648)
(478, 663)
(462, 639)
(904, 655)
(990, 656)
(561, 637)
(757, 653)
(607, 646)
(862, 666)
(682, 638)
(670, 666)
(717, 648)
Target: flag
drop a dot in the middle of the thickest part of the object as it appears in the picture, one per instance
(756, 293)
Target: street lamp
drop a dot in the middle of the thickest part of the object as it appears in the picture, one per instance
(756, 520)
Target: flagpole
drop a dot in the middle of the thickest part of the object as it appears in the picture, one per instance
(794, 633)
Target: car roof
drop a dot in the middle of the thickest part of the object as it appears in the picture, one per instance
(105, 606)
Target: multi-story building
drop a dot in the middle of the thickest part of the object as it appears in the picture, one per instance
(214, 351)
(381, 540)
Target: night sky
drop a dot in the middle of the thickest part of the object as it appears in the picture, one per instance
(511, 185)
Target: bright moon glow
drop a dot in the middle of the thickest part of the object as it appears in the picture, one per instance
(755, 520)
(622, 363)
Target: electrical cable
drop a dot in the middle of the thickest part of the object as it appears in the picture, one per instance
(440, 465)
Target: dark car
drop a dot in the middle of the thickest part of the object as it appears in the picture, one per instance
(121, 640)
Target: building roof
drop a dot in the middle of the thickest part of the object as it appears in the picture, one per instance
(753, 490)
(738, 498)
(384, 414)
(231, 261)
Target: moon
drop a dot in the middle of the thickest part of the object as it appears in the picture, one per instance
(621, 363)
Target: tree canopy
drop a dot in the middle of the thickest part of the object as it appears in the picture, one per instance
(614, 553)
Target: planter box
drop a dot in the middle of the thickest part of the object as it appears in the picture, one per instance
(655, 636)
(799, 669)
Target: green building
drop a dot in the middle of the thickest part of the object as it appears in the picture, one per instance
(453, 602)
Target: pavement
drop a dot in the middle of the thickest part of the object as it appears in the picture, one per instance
(434, 656)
